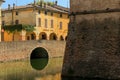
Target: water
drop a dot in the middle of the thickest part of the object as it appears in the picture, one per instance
(22, 70)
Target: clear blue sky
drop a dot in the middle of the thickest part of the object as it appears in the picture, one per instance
(64, 3)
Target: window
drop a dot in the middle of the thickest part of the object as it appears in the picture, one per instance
(60, 25)
(46, 23)
(17, 13)
(3, 14)
(61, 15)
(17, 22)
(51, 13)
(45, 12)
(39, 11)
(39, 22)
(51, 23)
(3, 23)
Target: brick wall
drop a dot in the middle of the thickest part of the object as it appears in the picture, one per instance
(93, 43)
(23, 49)
(88, 5)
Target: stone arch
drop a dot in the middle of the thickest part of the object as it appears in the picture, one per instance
(43, 36)
(61, 38)
(66, 38)
(39, 55)
(30, 36)
(53, 36)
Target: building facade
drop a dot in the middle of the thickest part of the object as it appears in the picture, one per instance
(50, 22)
(0, 17)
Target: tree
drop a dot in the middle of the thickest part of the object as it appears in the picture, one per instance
(40, 2)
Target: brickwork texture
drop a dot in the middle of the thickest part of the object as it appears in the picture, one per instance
(93, 44)
(22, 49)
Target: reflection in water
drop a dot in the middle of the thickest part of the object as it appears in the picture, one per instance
(78, 78)
(22, 70)
(39, 64)
(50, 77)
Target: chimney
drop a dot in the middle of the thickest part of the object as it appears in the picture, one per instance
(8, 6)
(56, 2)
(13, 5)
(34, 2)
(45, 5)
(41, 3)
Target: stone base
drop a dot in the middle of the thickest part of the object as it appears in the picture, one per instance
(93, 50)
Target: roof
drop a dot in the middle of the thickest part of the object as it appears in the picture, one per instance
(56, 8)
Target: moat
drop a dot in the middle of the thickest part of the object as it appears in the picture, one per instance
(22, 70)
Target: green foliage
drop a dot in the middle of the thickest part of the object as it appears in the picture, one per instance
(12, 28)
(44, 2)
(28, 28)
(18, 28)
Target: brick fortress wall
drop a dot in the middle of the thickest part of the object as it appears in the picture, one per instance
(93, 44)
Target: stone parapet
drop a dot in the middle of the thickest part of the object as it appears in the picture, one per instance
(22, 49)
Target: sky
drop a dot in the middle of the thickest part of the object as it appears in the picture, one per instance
(64, 3)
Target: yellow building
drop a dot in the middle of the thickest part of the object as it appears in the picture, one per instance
(50, 22)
